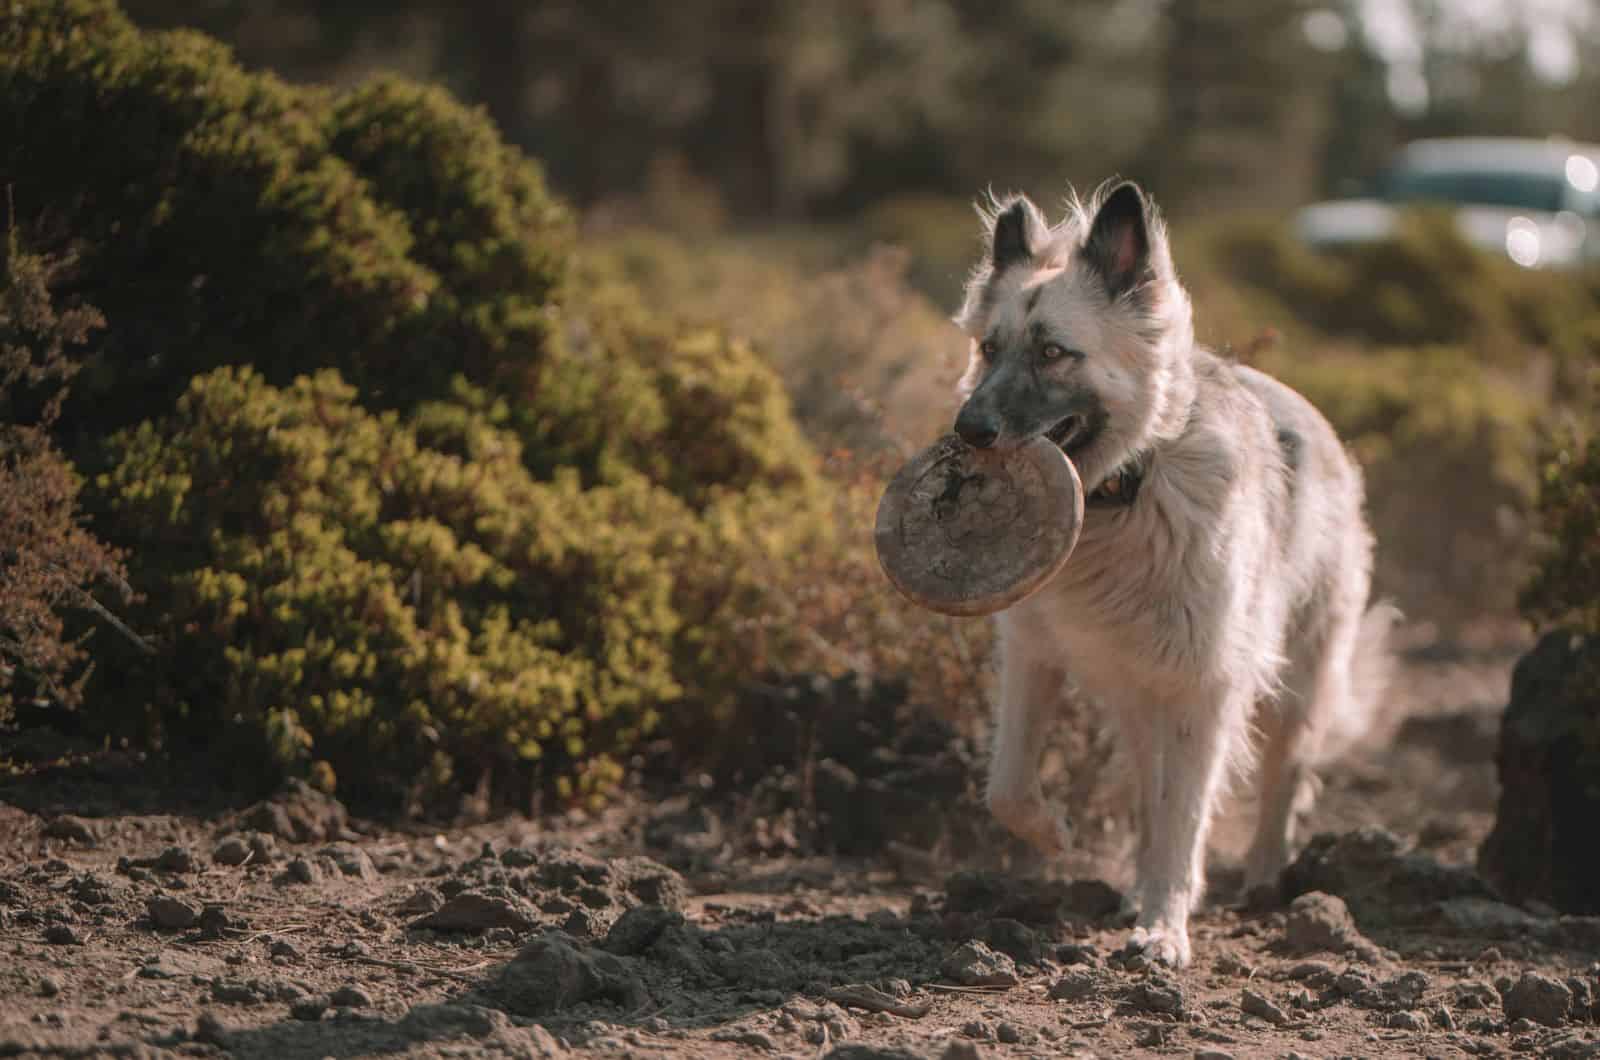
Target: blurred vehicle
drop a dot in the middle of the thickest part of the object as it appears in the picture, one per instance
(1535, 201)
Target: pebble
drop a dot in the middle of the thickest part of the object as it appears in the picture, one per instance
(351, 997)
(231, 851)
(1262, 1007)
(175, 859)
(171, 914)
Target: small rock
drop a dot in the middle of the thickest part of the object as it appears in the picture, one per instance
(1538, 998)
(1212, 1054)
(283, 948)
(1077, 953)
(1156, 994)
(301, 870)
(48, 986)
(1008, 1033)
(1262, 1007)
(350, 997)
(309, 1009)
(263, 848)
(156, 970)
(214, 921)
(975, 964)
(420, 902)
(471, 911)
(1406, 989)
(1075, 985)
(1407, 1021)
(69, 827)
(175, 860)
(978, 1029)
(1014, 939)
(1444, 1019)
(351, 861)
(638, 928)
(234, 993)
(549, 975)
(956, 1050)
(231, 851)
(62, 935)
(1319, 921)
(170, 914)
(1228, 964)
(518, 858)
(209, 1029)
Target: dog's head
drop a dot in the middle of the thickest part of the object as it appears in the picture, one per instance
(1080, 331)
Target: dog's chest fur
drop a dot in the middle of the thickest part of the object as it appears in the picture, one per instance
(1166, 589)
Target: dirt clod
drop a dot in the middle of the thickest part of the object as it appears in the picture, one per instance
(231, 851)
(471, 911)
(62, 935)
(309, 1009)
(350, 997)
(638, 928)
(303, 871)
(1075, 985)
(549, 975)
(975, 964)
(299, 813)
(350, 861)
(174, 860)
(72, 828)
(1538, 998)
(1156, 995)
(171, 914)
(1262, 1007)
(1319, 922)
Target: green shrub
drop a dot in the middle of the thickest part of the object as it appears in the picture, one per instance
(1447, 445)
(1564, 588)
(325, 587)
(50, 564)
(1425, 286)
(411, 503)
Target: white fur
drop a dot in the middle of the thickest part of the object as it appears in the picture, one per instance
(1231, 597)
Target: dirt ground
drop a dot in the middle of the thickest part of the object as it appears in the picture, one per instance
(682, 925)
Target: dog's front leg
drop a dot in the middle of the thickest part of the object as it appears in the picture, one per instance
(1030, 696)
(1182, 754)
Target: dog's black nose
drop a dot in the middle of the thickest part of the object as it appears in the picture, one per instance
(976, 431)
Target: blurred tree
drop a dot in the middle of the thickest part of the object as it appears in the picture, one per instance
(1242, 104)
(816, 109)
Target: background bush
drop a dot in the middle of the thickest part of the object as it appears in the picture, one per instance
(412, 510)
(50, 565)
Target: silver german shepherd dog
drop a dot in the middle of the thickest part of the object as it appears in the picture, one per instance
(1216, 605)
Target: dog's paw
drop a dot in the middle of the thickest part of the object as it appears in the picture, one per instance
(1155, 945)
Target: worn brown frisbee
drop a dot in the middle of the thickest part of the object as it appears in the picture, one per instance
(966, 531)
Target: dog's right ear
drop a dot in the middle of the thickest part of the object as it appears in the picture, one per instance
(1019, 232)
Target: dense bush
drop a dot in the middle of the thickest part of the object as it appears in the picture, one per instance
(412, 503)
(49, 563)
(321, 580)
(1565, 586)
(224, 217)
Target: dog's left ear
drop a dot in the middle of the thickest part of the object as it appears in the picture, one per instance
(1118, 246)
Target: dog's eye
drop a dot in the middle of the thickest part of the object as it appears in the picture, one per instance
(1053, 351)
(988, 349)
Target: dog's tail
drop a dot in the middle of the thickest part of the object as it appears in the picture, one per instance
(1368, 713)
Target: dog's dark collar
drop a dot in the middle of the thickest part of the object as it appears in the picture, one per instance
(1120, 488)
